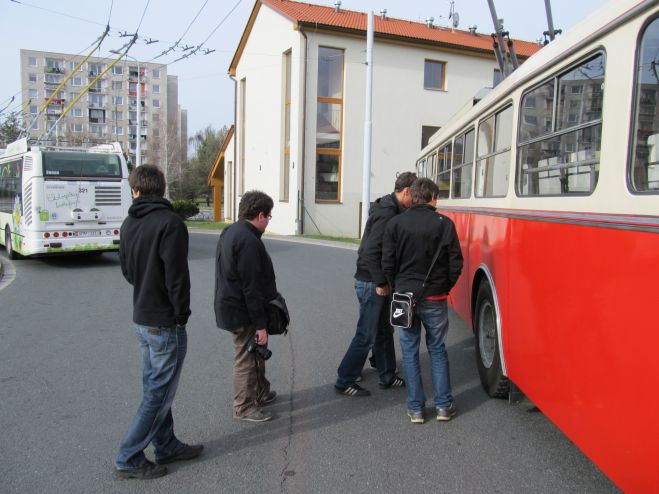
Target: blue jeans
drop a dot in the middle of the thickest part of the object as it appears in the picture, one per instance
(434, 316)
(373, 330)
(163, 351)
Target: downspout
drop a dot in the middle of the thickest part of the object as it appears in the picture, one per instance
(300, 209)
(234, 195)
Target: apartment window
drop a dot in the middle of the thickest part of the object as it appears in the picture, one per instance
(96, 100)
(31, 61)
(76, 81)
(117, 69)
(32, 93)
(76, 112)
(494, 142)
(96, 116)
(463, 162)
(76, 127)
(329, 116)
(73, 95)
(552, 158)
(117, 130)
(644, 164)
(95, 68)
(155, 73)
(156, 88)
(156, 103)
(32, 77)
(155, 117)
(117, 100)
(34, 109)
(72, 65)
(96, 129)
(116, 85)
(55, 65)
(434, 75)
(156, 132)
(427, 131)
(284, 174)
(117, 115)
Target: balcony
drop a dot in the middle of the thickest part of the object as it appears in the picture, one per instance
(55, 101)
(96, 90)
(92, 74)
(52, 83)
(96, 105)
(54, 70)
(97, 120)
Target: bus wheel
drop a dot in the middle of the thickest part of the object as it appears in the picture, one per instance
(488, 354)
(8, 245)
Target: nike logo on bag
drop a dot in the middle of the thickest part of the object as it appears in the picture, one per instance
(398, 313)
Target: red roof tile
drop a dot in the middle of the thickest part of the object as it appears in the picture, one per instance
(326, 17)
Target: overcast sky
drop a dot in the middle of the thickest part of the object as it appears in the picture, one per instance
(71, 26)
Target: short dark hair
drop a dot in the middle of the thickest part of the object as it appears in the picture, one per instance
(148, 180)
(253, 203)
(405, 179)
(423, 191)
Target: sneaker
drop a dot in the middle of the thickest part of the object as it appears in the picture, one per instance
(371, 360)
(446, 413)
(187, 452)
(148, 470)
(396, 382)
(416, 417)
(353, 390)
(256, 416)
(269, 398)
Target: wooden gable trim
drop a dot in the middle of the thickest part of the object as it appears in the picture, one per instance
(219, 158)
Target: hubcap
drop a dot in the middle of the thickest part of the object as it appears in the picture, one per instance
(487, 333)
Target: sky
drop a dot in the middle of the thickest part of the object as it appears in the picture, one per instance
(205, 89)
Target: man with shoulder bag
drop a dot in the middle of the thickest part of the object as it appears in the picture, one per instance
(244, 287)
(421, 255)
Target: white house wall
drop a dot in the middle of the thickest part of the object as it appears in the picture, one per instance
(228, 212)
(261, 65)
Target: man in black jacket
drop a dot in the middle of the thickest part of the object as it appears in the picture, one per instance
(244, 284)
(373, 328)
(410, 243)
(154, 259)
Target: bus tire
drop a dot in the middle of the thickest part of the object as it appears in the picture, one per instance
(9, 248)
(488, 353)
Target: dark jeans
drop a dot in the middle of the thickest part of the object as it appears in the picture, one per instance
(163, 351)
(373, 330)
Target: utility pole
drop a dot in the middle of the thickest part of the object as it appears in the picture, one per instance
(550, 21)
(368, 124)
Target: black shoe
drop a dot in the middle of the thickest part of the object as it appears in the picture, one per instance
(371, 360)
(269, 398)
(148, 470)
(396, 382)
(187, 452)
(352, 390)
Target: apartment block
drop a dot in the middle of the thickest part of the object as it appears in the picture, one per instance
(109, 111)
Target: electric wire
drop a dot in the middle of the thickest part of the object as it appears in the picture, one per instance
(176, 43)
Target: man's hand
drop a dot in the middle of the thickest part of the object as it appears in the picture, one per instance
(262, 337)
(383, 291)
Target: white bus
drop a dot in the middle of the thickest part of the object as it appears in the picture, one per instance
(552, 181)
(56, 200)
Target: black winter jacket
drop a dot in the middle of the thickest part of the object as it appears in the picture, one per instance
(369, 256)
(153, 253)
(409, 245)
(244, 278)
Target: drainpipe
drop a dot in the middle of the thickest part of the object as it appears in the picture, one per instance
(234, 195)
(302, 165)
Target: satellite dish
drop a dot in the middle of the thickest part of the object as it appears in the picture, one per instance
(456, 19)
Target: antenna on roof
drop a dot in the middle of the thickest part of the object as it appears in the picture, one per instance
(337, 6)
(429, 21)
(383, 14)
(454, 16)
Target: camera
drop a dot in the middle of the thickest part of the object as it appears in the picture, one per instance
(260, 350)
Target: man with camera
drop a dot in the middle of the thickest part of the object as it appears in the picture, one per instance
(244, 284)
(422, 243)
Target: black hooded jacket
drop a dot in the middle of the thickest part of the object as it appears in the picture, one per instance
(154, 259)
(369, 256)
(244, 278)
(409, 245)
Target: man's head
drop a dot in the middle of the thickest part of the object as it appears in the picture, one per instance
(255, 207)
(147, 180)
(424, 191)
(402, 188)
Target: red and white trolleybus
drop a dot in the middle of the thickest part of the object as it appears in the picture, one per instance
(552, 181)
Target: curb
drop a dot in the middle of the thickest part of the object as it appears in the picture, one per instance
(2, 268)
(289, 238)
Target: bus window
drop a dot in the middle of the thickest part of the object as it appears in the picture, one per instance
(444, 172)
(644, 170)
(10, 185)
(463, 161)
(430, 166)
(494, 141)
(59, 164)
(552, 159)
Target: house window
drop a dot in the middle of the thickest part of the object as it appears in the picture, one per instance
(95, 69)
(117, 115)
(427, 131)
(96, 100)
(494, 142)
(156, 103)
(32, 93)
(73, 95)
(117, 69)
(33, 109)
(156, 88)
(76, 127)
(155, 73)
(32, 77)
(32, 61)
(329, 116)
(117, 100)
(644, 165)
(116, 85)
(98, 130)
(76, 81)
(434, 75)
(96, 116)
(117, 130)
(284, 175)
(76, 112)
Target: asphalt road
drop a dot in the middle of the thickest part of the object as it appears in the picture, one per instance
(70, 380)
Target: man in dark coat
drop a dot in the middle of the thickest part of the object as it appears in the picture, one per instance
(372, 289)
(244, 284)
(154, 259)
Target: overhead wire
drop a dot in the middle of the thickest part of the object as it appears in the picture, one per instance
(176, 43)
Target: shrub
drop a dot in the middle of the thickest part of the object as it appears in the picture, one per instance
(185, 208)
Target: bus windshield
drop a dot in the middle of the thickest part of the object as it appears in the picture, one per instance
(57, 165)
